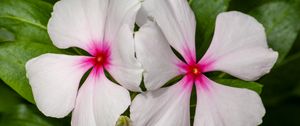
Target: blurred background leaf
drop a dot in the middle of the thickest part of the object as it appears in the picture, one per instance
(27, 115)
(6, 35)
(281, 21)
(8, 98)
(26, 19)
(51, 1)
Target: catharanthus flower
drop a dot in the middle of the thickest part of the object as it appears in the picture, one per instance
(103, 28)
(239, 48)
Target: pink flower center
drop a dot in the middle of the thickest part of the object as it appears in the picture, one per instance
(100, 59)
(193, 70)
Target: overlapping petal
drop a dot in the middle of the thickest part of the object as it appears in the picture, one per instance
(54, 80)
(154, 52)
(120, 12)
(163, 107)
(78, 23)
(100, 102)
(219, 105)
(119, 32)
(177, 23)
(142, 17)
(124, 66)
(239, 47)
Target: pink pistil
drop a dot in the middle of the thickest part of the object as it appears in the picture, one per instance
(192, 71)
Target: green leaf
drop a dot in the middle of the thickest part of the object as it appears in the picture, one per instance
(241, 84)
(51, 1)
(281, 21)
(6, 35)
(26, 115)
(26, 19)
(13, 57)
(206, 12)
(123, 121)
(8, 98)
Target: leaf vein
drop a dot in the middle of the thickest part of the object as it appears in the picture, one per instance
(25, 21)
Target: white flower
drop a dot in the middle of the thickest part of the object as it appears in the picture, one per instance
(103, 28)
(239, 48)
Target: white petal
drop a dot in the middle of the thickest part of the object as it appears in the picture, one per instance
(124, 66)
(77, 22)
(110, 101)
(142, 17)
(247, 64)
(54, 80)
(83, 114)
(239, 47)
(219, 105)
(100, 102)
(177, 22)
(156, 56)
(163, 107)
(120, 12)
